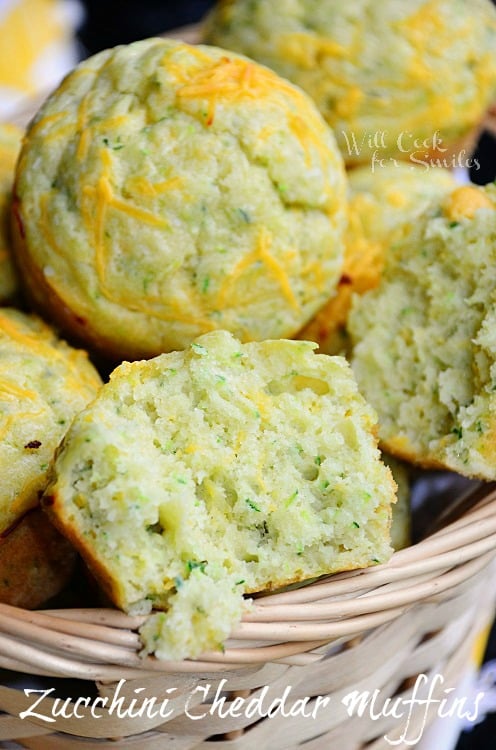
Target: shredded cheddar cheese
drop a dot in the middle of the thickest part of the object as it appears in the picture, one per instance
(209, 195)
(43, 382)
(385, 67)
(307, 49)
(260, 253)
(465, 201)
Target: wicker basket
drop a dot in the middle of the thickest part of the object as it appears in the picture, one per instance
(368, 630)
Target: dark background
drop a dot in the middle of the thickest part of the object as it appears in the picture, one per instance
(107, 24)
(111, 23)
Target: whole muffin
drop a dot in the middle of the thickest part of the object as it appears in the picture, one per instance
(10, 143)
(380, 203)
(425, 339)
(226, 468)
(166, 190)
(391, 78)
(43, 384)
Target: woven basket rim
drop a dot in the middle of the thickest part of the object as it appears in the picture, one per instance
(291, 626)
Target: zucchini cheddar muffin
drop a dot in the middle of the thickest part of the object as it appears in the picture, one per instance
(166, 190)
(390, 77)
(10, 143)
(425, 339)
(380, 203)
(43, 384)
(200, 475)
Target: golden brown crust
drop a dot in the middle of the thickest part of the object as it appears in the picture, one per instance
(36, 562)
(423, 462)
(95, 567)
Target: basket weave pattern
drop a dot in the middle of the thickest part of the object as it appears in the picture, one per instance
(374, 629)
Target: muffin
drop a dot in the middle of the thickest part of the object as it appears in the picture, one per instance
(166, 190)
(398, 80)
(43, 384)
(36, 561)
(379, 203)
(10, 143)
(200, 475)
(424, 340)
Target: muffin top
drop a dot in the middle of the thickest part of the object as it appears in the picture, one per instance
(424, 339)
(10, 143)
(43, 384)
(166, 190)
(226, 468)
(380, 203)
(384, 198)
(402, 70)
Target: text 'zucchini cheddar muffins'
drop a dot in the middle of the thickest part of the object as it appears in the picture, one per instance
(390, 77)
(380, 203)
(200, 475)
(43, 384)
(166, 190)
(425, 340)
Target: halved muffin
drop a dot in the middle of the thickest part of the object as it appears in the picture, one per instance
(197, 476)
(380, 203)
(424, 342)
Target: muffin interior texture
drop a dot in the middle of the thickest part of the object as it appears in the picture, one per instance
(201, 475)
(424, 340)
(380, 202)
